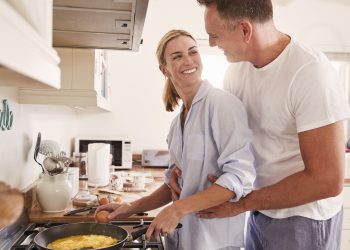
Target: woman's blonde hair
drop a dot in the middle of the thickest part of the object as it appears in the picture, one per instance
(170, 96)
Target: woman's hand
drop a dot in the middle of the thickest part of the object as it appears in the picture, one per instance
(165, 222)
(117, 211)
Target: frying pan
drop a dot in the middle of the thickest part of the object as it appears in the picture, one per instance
(42, 239)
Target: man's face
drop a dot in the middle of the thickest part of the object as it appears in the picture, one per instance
(226, 37)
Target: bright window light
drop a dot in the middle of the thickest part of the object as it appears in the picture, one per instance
(214, 68)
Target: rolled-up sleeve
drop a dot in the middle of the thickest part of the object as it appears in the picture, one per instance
(233, 139)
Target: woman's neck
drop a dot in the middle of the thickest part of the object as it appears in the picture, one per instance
(188, 93)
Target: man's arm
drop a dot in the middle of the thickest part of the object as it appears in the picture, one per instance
(322, 150)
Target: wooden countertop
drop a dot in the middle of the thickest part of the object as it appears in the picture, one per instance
(36, 215)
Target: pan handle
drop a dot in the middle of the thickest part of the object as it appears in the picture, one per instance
(142, 231)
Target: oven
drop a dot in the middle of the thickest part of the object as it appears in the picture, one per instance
(25, 240)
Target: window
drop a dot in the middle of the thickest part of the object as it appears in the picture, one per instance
(341, 61)
(214, 68)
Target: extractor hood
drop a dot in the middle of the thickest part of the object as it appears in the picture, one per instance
(102, 24)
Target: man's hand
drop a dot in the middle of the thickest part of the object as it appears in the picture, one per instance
(173, 183)
(212, 178)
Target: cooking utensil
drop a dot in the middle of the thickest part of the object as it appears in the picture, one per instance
(53, 165)
(80, 210)
(42, 239)
(49, 147)
(36, 151)
(66, 160)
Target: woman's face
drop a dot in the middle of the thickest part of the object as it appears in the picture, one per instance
(183, 62)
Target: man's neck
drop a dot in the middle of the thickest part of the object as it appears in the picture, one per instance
(268, 44)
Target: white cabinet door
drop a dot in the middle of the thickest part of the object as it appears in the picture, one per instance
(83, 82)
(26, 57)
(345, 240)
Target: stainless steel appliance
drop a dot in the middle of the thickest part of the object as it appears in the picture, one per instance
(121, 150)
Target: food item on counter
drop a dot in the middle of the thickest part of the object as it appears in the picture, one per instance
(103, 201)
(76, 242)
(118, 199)
(102, 216)
(11, 204)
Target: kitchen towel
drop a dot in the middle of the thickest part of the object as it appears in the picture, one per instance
(98, 166)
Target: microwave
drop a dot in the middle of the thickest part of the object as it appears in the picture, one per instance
(121, 150)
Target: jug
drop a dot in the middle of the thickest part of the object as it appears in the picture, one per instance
(53, 192)
(98, 164)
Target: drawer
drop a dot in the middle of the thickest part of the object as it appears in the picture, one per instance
(346, 219)
(346, 197)
(345, 240)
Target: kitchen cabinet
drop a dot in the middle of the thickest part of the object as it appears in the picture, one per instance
(26, 54)
(345, 241)
(84, 81)
(107, 24)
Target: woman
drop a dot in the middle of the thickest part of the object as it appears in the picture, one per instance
(209, 136)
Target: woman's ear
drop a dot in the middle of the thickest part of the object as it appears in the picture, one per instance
(164, 71)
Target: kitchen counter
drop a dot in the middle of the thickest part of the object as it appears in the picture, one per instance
(36, 215)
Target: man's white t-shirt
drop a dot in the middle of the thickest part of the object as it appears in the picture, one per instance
(298, 91)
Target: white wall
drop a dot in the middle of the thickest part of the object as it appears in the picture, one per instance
(17, 166)
(321, 23)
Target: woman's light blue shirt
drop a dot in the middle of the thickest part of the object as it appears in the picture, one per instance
(215, 140)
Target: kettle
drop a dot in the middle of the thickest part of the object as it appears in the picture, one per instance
(98, 164)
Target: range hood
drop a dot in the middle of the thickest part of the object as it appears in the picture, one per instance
(102, 24)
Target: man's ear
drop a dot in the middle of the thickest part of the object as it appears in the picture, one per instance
(247, 30)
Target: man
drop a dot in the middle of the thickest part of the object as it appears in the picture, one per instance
(295, 108)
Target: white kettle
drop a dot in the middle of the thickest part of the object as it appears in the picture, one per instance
(98, 164)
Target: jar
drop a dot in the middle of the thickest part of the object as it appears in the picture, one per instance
(80, 161)
(53, 192)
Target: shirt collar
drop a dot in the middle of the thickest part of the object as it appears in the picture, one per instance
(201, 93)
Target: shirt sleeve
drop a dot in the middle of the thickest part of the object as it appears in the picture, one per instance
(317, 97)
(233, 139)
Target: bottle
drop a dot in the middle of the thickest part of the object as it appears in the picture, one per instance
(80, 161)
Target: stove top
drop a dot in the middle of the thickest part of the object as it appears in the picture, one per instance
(25, 241)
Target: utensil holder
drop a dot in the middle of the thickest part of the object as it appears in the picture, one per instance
(53, 192)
